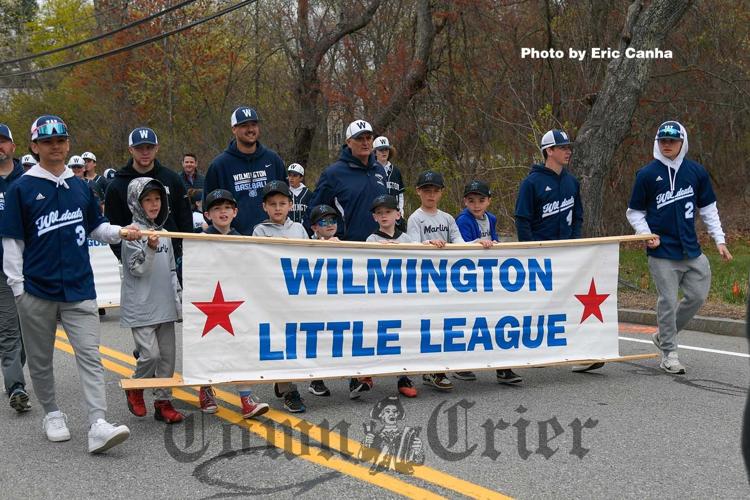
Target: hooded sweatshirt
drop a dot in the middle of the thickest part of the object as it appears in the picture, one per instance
(350, 186)
(245, 175)
(150, 290)
(666, 196)
(289, 229)
(548, 206)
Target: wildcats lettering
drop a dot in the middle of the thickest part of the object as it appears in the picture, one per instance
(663, 199)
(55, 220)
(555, 207)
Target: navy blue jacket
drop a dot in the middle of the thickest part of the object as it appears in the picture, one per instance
(669, 214)
(245, 175)
(349, 185)
(469, 226)
(548, 206)
(4, 185)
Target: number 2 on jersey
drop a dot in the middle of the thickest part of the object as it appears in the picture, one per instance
(689, 210)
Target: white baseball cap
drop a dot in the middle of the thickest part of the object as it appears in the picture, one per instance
(356, 128)
(28, 160)
(296, 168)
(88, 155)
(75, 160)
(381, 143)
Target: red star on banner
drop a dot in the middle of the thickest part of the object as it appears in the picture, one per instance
(592, 302)
(217, 311)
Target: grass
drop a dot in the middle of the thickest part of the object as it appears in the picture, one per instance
(634, 271)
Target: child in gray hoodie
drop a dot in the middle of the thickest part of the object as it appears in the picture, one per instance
(151, 296)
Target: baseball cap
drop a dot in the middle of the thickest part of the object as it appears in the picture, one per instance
(5, 131)
(152, 185)
(670, 130)
(216, 196)
(75, 160)
(88, 155)
(244, 114)
(110, 173)
(430, 178)
(384, 200)
(142, 135)
(296, 168)
(381, 143)
(47, 126)
(28, 160)
(321, 211)
(552, 138)
(274, 187)
(477, 187)
(357, 128)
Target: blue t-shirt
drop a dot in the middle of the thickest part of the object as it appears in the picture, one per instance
(53, 223)
(671, 214)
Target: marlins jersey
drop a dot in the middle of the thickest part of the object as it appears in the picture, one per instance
(423, 226)
(671, 213)
(53, 223)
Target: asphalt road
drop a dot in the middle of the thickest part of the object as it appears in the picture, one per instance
(627, 431)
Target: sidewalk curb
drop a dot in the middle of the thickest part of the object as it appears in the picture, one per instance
(717, 326)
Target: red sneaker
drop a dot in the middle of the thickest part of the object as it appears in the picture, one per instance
(252, 408)
(207, 399)
(136, 405)
(166, 412)
(406, 387)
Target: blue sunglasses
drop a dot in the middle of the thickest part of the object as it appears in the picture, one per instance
(328, 221)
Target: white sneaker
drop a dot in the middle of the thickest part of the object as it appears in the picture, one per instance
(103, 436)
(670, 363)
(55, 426)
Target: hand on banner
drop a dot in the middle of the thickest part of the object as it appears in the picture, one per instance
(131, 233)
(437, 243)
(153, 241)
(653, 243)
(724, 252)
(485, 243)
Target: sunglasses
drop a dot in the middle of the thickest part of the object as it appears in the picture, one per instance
(76, 166)
(328, 221)
(50, 129)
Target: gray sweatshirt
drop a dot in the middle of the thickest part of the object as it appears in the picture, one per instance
(150, 292)
(289, 229)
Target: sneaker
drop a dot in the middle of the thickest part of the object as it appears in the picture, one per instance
(438, 381)
(293, 402)
(276, 391)
(470, 376)
(318, 388)
(103, 436)
(406, 387)
(670, 363)
(165, 412)
(359, 385)
(102, 311)
(507, 377)
(136, 405)
(656, 341)
(207, 399)
(587, 368)
(19, 400)
(55, 426)
(136, 353)
(252, 408)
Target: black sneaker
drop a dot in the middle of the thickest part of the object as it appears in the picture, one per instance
(318, 388)
(358, 386)
(470, 376)
(19, 400)
(293, 402)
(587, 368)
(276, 391)
(438, 381)
(508, 377)
(136, 353)
(102, 311)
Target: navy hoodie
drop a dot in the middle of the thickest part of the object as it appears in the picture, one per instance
(245, 175)
(349, 186)
(548, 206)
(4, 185)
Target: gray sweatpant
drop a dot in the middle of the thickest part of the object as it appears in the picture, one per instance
(12, 355)
(81, 322)
(693, 277)
(156, 345)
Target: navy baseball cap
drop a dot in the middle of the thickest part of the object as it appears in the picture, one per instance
(47, 126)
(321, 211)
(477, 187)
(670, 130)
(553, 138)
(244, 114)
(384, 200)
(274, 187)
(216, 196)
(142, 135)
(430, 178)
(5, 131)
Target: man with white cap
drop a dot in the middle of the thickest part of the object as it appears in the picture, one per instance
(97, 182)
(27, 161)
(384, 153)
(667, 195)
(301, 195)
(12, 355)
(76, 164)
(244, 168)
(351, 183)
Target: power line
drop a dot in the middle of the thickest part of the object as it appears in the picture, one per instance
(100, 36)
(133, 45)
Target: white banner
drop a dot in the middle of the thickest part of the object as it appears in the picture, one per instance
(106, 274)
(259, 311)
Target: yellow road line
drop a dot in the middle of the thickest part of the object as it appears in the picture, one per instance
(273, 436)
(337, 442)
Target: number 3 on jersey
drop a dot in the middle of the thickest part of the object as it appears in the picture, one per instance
(689, 210)
(81, 233)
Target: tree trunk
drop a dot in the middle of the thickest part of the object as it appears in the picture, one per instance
(608, 122)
